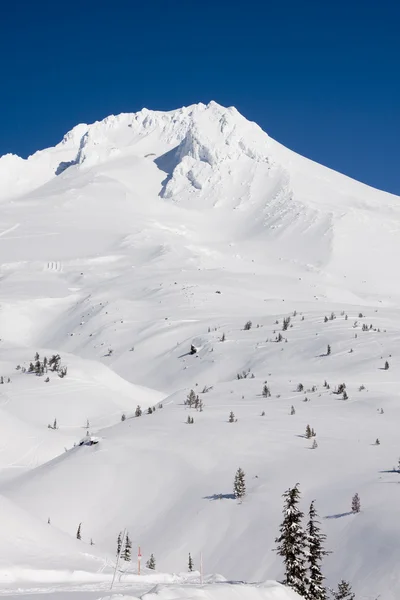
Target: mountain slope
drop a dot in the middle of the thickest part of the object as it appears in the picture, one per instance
(145, 233)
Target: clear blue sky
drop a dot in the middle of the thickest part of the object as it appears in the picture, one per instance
(321, 77)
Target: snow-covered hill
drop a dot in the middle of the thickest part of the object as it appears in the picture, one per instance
(140, 235)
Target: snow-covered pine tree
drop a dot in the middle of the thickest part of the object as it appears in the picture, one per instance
(231, 417)
(127, 551)
(190, 563)
(138, 411)
(344, 591)
(292, 543)
(308, 432)
(119, 543)
(356, 504)
(190, 400)
(239, 485)
(78, 532)
(266, 391)
(292, 410)
(151, 563)
(316, 552)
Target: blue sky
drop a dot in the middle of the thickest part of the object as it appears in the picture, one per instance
(323, 78)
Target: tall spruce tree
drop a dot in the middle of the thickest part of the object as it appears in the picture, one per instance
(190, 563)
(316, 552)
(119, 543)
(292, 543)
(344, 591)
(239, 485)
(127, 551)
(151, 563)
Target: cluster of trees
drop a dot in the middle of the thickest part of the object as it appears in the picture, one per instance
(302, 550)
(2, 380)
(39, 367)
(193, 400)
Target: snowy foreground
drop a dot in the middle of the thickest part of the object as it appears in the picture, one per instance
(121, 247)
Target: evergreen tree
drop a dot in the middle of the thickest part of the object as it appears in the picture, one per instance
(149, 411)
(308, 432)
(344, 591)
(223, 338)
(191, 398)
(127, 551)
(291, 544)
(138, 411)
(123, 417)
(328, 350)
(151, 563)
(356, 504)
(119, 543)
(239, 485)
(78, 532)
(231, 417)
(190, 563)
(266, 391)
(300, 387)
(386, 365)
(316, 552)
(314, 445)
(292, 410)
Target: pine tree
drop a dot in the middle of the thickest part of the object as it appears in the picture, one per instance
(316, 552)
(266, 391)
(300, 387)
(55, 424)
(231, 417)
(239, 485)
(344, 591)
(127, 551)
(356, 504)
(386, 365)
(291, 544)
(292, 410)
(308, 432)
(191, 398)
(119, 543)
(138, 411)
(328, 350)
(151, 563)
(190, 563)
(314, 445)
(78, 532)
(223, 338)
(149, 411)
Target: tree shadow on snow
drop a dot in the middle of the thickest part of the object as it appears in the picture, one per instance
(220, 497)
(339, 515)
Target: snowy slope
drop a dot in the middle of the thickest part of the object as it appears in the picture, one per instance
(143, 234)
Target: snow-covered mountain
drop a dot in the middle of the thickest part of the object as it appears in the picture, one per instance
(138, 236)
